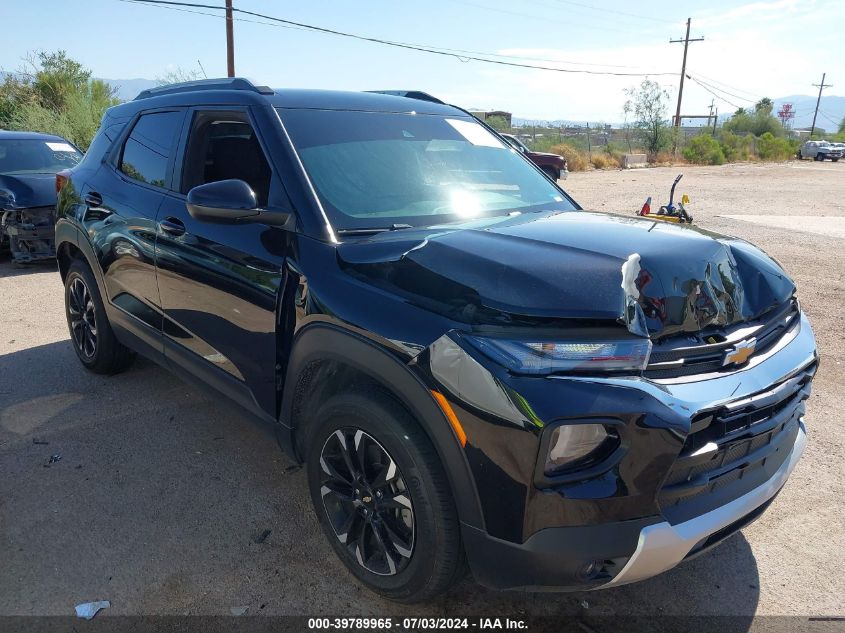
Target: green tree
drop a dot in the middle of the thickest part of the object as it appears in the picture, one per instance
(498, 123)
(648, 103)
(55, 77)
(764, 106)
(704, 150)
(55, 94)
(758, 122)
(842, 126)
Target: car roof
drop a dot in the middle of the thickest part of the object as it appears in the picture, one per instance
(239, 91)
(22, 135)
(366, 101)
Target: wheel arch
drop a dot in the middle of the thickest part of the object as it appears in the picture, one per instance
(71, 244)
(326, 359)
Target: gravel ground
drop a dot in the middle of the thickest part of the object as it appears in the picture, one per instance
(161, 493)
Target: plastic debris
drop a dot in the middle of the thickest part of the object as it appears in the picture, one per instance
(585, 604)
(238, 610)
(88, 610)
(54, 458)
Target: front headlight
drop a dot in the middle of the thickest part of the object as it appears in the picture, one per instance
(544, 357)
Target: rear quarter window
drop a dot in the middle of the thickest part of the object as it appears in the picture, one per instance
(148, 149)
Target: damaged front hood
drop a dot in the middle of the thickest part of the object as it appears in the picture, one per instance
(574, 265)
(27, 190)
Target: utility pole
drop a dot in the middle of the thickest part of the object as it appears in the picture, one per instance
(821, 86)
(715, 120)
(712, 104)
(686, 42)
(230, 40)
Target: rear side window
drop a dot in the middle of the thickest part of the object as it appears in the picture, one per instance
(148, 149)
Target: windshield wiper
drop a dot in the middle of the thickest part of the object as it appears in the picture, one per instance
(373, 230)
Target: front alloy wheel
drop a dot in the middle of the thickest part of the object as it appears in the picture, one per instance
(83, 320)
(381, 495)
(366, 501)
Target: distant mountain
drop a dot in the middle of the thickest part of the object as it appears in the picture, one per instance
(831, 111)
(128, 89)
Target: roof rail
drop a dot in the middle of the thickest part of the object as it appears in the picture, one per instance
(410, 94)
(229, 83)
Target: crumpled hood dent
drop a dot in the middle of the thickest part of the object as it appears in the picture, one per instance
(27, 190)
(656, 279)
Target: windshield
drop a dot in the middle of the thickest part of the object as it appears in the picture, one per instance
(35, 156)
(375, 169)
(516, 142)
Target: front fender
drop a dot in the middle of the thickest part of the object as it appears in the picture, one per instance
(322, 341)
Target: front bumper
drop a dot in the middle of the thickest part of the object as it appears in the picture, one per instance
(555, 559)
(662, 546)
(622, 528)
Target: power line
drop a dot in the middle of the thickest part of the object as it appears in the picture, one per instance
(701, 81)
(541, 18)
(212, 15)
(828, 117)
(614, 11)
(404, 45)
(724, 85)
(439, 48)
(719, 97)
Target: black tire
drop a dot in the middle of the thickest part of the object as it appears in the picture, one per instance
(98, 350)
(551, 172)
(835, 160)
(820, 157)
(374, 426)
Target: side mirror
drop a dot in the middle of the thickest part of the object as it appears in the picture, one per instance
(222, 200)
(231, 200)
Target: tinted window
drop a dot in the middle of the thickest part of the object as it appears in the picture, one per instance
(149, 147)
(224, 146)
(102, 142)
(31, 156)
(374, 169)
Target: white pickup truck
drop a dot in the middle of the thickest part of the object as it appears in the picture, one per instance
(820, 150)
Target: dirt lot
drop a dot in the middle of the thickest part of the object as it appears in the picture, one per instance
(161, 492)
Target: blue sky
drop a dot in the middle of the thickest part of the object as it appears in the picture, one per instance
(751, 49)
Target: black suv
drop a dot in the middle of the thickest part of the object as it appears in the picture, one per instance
(469, 366)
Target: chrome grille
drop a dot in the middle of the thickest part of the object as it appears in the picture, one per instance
(737, 446)
(704, 353)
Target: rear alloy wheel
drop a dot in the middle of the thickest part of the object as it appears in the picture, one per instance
(81, 317)
(366, 501)
(90, 332)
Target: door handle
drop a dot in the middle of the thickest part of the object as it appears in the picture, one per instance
(93, 199)
(174, 226)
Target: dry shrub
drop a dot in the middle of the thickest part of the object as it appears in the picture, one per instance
(604, 161)
(575, 159)
(666, 158)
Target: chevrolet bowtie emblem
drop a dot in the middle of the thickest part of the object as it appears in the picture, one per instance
(740, 353)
